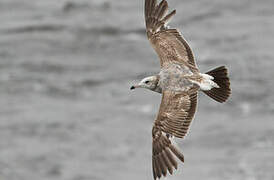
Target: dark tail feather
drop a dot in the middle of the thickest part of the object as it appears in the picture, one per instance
(221, 78)
(163, 158)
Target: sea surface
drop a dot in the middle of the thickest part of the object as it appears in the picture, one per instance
(66, 111)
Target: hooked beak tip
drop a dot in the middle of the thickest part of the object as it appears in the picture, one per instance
(132, 87)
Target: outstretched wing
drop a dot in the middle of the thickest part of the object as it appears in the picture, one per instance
(168, 43)
(174, 118)
(176, 112)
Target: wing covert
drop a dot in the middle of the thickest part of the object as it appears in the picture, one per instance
(176, 112)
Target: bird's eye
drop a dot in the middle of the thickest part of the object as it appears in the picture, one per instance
(147, 82)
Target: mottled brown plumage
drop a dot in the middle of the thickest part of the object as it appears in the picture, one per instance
(179, 81)
(176, 112)
(177, 108)
(174, 118)
(168, 43)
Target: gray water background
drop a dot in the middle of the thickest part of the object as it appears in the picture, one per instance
(66, 112)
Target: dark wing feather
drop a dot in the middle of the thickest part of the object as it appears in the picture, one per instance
(162, 158)
(168, 43)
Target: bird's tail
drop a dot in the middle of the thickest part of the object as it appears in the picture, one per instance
(163, 156)
(223, 91)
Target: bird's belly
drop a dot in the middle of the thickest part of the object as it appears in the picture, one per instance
(182, 84)
(176, 78)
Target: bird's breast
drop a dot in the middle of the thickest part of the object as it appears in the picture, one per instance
(175, 77)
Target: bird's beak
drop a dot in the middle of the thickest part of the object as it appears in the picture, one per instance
(134, 87)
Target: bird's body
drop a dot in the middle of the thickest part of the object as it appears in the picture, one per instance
(176, 77)
(179, 81)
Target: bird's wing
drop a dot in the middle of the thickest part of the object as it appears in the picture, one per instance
(168, 43)
(174, 118)
(176, 112)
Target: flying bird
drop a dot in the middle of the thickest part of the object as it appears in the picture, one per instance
(179, 81)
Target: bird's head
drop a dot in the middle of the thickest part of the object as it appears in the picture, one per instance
(150, 83)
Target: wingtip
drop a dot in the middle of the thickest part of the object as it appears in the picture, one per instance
(155, 15)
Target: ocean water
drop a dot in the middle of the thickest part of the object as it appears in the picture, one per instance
(66, 111)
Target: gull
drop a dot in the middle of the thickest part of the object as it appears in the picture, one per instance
(179, 81)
